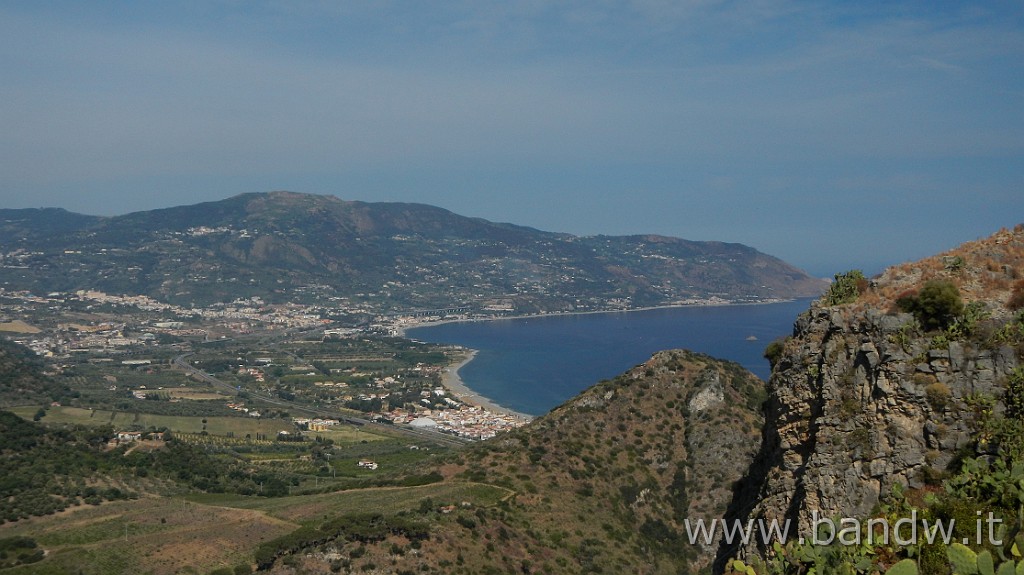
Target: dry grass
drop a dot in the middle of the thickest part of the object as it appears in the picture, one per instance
(984, 270)
(388, 500)
(151, 535)
(18, 326)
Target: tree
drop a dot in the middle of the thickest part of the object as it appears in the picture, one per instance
(935, 306)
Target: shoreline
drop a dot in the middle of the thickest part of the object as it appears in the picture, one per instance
(401, 331)
(451, 381)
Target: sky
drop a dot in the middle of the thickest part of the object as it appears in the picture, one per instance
(834, 135)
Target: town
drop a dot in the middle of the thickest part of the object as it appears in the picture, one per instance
(248, 358)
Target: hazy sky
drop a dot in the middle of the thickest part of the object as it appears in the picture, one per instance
(831, 134)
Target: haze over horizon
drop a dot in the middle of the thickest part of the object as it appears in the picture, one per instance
(831, 135)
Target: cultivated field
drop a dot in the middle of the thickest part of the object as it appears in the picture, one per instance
(18, 326)
(193, 394)
(239, 426)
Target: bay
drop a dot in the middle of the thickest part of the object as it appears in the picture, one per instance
(534, 364)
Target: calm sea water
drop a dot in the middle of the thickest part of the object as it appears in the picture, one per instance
(532, 365)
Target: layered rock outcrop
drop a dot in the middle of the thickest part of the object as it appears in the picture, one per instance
(856, 405)
(861, 398)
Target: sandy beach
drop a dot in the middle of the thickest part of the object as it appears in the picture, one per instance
(450, 376)
(453, 383)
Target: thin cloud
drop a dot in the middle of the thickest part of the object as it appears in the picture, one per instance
(726, 115)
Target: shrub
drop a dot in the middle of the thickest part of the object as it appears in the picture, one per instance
(1016, 300)
(846, 288)
(774, 351)
(953, 264)
(966, 324)
(938, 395)
(935, 306)
(922, 379)
(1014, 398)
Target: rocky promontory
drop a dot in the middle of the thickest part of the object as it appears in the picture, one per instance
(866, 395)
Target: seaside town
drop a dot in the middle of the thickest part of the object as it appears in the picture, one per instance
(136, 333)
(127, 338)
(467, 421)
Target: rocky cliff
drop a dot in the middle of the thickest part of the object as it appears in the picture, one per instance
(863, 396)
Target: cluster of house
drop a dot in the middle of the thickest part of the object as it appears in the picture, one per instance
(239, 316)
(141, 392)
(132, 436)
(446, 509)
(254, 372)
(241, 407)
(245, 309)
(315, 424)
(467, 421)
(367, 464)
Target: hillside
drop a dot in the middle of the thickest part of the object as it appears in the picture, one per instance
(601, 484)
(22, 381)
(871, 411)
(285, 246)
(897, 396)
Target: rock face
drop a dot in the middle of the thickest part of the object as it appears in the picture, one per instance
(859, 401)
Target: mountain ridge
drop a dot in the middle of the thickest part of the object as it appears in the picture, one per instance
(396, 255)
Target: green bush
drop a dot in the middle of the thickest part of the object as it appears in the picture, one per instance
(846, 288)
(936, 306)
(1014, 397)
(774, 351)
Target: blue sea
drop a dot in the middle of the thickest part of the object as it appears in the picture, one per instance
(534, 364)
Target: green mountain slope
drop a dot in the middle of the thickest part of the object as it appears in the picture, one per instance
(285, 247)
(602, 484)
(22, 381)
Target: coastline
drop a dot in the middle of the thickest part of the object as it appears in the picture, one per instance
(401, 331)
(451, 381)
